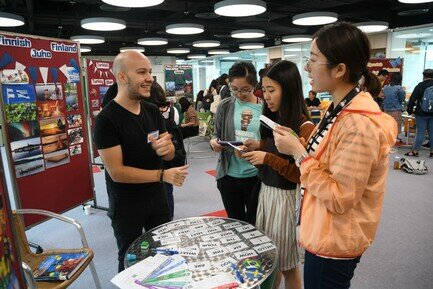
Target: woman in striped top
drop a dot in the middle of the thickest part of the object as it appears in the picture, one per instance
(282, 91)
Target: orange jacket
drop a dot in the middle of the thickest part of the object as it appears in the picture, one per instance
(345, 181)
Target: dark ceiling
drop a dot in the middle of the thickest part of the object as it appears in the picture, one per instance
(61, 19)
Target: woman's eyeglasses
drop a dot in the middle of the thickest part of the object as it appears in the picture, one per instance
(243, 91)
(309, 62)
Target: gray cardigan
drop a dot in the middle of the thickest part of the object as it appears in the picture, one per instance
(224, 130)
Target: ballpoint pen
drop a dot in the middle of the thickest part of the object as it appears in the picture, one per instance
(237, 273)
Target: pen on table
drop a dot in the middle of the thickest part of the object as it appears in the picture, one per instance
(166, 251)
(237, 273)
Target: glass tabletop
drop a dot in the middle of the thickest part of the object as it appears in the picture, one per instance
(211, 245)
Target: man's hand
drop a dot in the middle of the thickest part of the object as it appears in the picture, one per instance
(216, 147)
(162, 146)
(176, 176)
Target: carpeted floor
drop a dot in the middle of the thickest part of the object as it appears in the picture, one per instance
(400, 257)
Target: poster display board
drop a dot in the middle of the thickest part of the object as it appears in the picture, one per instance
(99, 78)
(178, 81)
(44, 122)
(390, 64)
(10, 262)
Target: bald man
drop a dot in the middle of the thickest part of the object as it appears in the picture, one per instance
(132, 141)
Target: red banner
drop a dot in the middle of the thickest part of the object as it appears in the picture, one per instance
(390, 64)
(45, 122)
(99, 78)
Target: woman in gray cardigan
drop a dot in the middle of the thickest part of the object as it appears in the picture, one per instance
(237, 119)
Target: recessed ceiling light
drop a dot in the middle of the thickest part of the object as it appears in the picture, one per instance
(196, 56)
(414, 1)
(152, 41)
(413, 35)
(84, 49)
(218, 51)
(231, 58)
(372, 26)
(402, 49)
(10, 20)
(296, 38)
(239, 8)
(88, 39)
(138, 49)
(133, 3)
(260, 54)
(184, 28)
(178, 50)
(206, 43)
(314, 18)
(248, 33)
(251, 45)
(103, 24)
(293, 49)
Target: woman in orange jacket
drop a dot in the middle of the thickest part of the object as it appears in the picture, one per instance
(345, 164)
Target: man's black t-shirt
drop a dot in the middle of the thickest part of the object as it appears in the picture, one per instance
(117, 126)
(314, 102)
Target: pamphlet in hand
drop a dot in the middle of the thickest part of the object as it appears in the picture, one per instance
(60, 266)
(236, 147)
(225, 143)
(269, 123)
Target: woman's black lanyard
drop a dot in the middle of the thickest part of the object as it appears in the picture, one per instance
(332, 112)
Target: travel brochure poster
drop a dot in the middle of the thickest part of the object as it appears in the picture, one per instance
(178, 81)
(41, 108)
(99, 78)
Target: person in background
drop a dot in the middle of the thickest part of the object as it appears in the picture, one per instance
(258, 89)
(209, 94)
(383, 78)
(422, 97)
(199, 101)
(223, 88)
(282, 91)
(132, 141)
(237, 119)
(191, 124)
(171, 118)
(345, 165)
(312, 102)
(373, 86)
(394, 96)
(110, 94)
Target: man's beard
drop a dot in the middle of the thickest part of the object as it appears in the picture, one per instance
(133, 91)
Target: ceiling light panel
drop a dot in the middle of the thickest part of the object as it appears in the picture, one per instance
(372, 26)
(296, 38)
(251, 45)
(184, 28)
(84, 49)
(239, 8)
(133, 3)
(10, 20)
(196, 56)
(314, 18)
(248, 33)
(178, 50)
(152, 41)
(88, 39)
(206, 43)
(414, 1)
(138, 49)
(103, 24)
(218, 52)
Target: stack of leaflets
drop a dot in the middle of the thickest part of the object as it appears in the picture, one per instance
(159, 271)
(60, 266)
